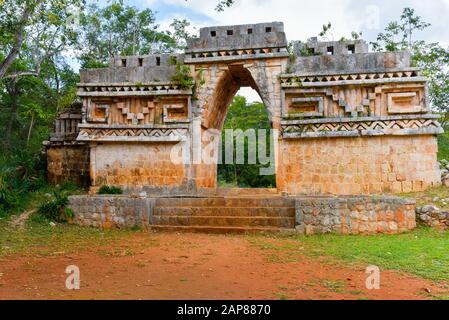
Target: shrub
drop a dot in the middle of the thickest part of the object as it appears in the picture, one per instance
(182, 75)
(55, 208)
(105, 190)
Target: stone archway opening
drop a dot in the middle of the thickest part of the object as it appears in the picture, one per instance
(247, 145)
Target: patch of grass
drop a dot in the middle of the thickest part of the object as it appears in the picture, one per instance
(332, 285)
(427, 197)
(39, 238)
(276, 253)
(281, 296)
(335, 286)
(355, 292)
(423, 252)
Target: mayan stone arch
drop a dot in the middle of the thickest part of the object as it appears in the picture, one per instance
(350, 122)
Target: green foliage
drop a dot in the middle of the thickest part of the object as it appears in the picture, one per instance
(54, 209)
(21, 172)
(398, 35)
(326, 29)
(108, 190)
(182, 75)
(246, 116)
(119, 29)
(431, 57)
(223, 4)
(327, 35)
(443, 146)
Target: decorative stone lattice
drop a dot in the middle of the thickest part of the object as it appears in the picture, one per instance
(132, 134)
(361, 127)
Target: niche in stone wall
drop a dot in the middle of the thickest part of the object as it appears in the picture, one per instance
(99, 111)
(175, 110)
(406, 101)
(304, 105)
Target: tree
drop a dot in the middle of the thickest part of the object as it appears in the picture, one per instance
(223, 4)
(327, 33)
(244, 116)
(118, 29)
(399, 35)
(431, 57)
(35, 30)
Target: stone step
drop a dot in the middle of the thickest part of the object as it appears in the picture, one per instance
(274, 212)
(263, 202)
(219, 230)
(243, 192)
(225, 221)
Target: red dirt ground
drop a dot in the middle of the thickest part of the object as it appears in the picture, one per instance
(196, 266)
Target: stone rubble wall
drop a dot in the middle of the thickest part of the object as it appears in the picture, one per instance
(348, 215)
(444, 168)
(112, 212)
(433, 217)
(356, 215)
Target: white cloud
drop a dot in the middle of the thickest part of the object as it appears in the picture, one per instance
(250, 94)
(304, 19)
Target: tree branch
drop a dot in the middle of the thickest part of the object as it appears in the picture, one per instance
(19, 38)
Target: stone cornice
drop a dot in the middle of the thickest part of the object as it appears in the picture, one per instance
(104, 89)
(351, 78)
(235, 55)
(358, 127)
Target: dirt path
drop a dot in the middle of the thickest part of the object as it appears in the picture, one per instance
(193, 266)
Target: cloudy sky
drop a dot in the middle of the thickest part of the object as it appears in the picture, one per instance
(304, 19)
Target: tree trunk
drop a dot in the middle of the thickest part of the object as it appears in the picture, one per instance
(30, 130)
(18, 39)
(13, 91)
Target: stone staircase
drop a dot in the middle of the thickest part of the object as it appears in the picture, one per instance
(225, 214)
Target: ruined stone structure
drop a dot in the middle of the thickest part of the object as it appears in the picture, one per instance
(350, 122)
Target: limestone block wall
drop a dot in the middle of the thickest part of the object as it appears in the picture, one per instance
(351, 166)
(109, 212)
(356, 215)
(68, 163)
(136, 167)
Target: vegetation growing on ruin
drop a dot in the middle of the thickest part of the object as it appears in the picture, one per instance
(183, 75)
(108, 190)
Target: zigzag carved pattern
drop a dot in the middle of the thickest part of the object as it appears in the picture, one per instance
(359, 126)
(153, 133)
